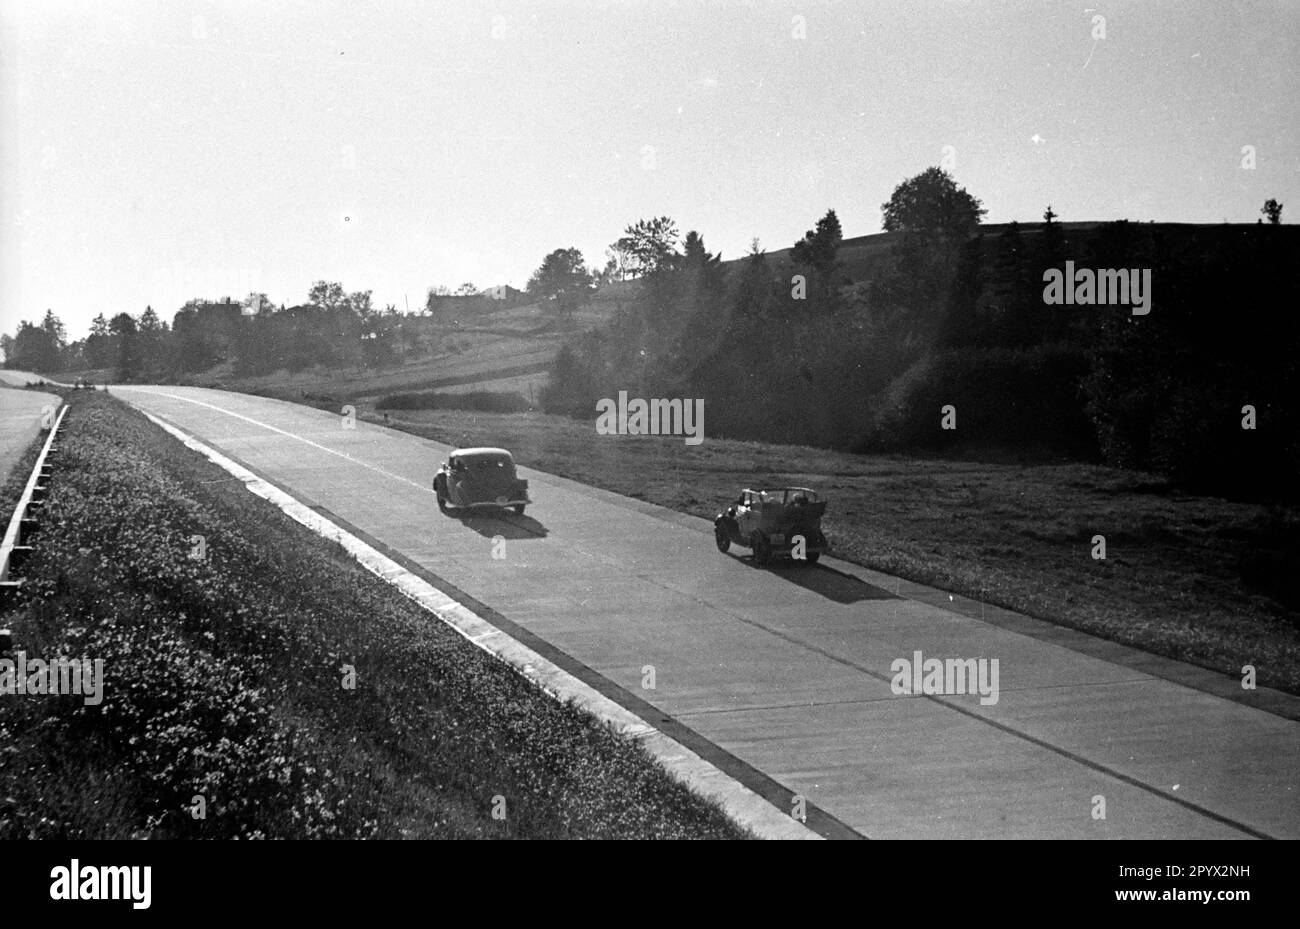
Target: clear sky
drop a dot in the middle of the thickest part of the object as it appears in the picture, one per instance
(155, 151)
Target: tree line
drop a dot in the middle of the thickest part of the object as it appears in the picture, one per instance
(797, 347)
(332, 328)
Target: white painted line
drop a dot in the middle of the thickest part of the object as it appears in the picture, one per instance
(289, 435)
(738, 801)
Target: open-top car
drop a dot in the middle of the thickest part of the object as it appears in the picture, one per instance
(771, 523)
(478, 477)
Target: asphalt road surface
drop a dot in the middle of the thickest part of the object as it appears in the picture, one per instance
(782, 676)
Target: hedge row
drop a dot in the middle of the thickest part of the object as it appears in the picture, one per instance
(482, 401)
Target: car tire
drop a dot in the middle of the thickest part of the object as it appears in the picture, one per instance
(442, 503)
(812, 557)
(722, 536)
(518, 508)
(761, 546)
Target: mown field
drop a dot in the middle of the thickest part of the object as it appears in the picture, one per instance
(230, 636)
(1199, 579)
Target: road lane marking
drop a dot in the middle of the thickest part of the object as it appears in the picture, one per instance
(289, 435)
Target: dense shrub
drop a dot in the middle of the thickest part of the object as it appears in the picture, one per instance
(1165, 391)
(571, 388)
(967, 326)
(1025, 398)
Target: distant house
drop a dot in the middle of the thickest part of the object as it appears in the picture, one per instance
(463, 307)
(505, 293)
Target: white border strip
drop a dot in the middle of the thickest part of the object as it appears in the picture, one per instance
(738, 801)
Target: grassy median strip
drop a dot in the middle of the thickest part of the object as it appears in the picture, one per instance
(1199, 579)
(260, 684)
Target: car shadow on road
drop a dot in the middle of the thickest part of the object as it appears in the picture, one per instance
(493, 523)
(820, 579)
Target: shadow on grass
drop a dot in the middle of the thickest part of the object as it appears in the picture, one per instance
(819, 579)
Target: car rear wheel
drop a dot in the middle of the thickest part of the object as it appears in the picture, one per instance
(761, 546)
(722, 536)
(812, 557)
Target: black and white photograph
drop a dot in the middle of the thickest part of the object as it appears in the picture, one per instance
(724, 420)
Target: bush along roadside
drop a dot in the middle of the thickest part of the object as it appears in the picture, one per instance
(258, 683)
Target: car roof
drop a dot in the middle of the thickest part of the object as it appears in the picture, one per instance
(772, 490)
(479, 452)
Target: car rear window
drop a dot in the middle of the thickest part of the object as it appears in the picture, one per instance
(487, 462)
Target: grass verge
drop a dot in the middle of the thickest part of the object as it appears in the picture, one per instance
(230, 635)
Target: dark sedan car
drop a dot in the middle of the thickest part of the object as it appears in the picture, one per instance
(477, 477)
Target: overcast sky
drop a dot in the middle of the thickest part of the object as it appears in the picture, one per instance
(151, 152)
